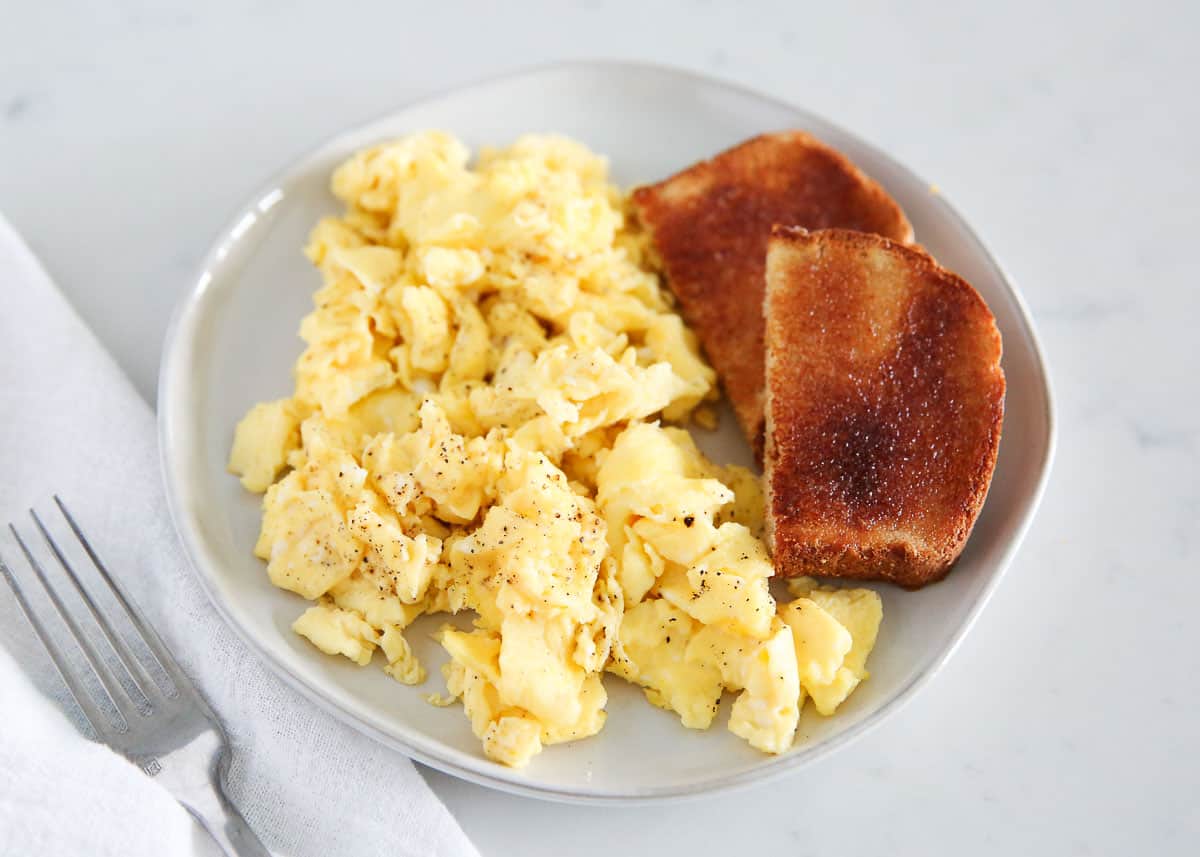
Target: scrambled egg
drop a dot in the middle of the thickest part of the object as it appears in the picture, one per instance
(479, 423)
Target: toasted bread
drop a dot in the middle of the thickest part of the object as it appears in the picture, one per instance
(884, 403)
(710, 224)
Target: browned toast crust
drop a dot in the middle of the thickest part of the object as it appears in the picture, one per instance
(710, 225)
(884, 404)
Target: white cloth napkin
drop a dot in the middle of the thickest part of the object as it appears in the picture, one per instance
(71, 424)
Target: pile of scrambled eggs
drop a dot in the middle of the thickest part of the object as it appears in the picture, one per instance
(480, 423)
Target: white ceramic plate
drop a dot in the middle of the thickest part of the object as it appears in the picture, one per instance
(234, 340)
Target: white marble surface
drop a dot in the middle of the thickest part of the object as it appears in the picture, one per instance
(1066, 723)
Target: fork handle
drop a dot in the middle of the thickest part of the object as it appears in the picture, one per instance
(221, 820)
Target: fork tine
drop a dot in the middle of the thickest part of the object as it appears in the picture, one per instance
(142, 680)
(108, 678)
(153, 642)
(94, 714)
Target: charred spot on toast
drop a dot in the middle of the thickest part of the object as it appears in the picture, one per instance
(860, 443)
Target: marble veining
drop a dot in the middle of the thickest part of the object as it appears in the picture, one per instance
(16, 108)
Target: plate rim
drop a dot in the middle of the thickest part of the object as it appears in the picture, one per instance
(172, 396)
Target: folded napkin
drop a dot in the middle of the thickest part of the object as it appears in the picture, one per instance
(71, 424)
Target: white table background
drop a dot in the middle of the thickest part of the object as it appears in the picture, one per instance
(1067, 722)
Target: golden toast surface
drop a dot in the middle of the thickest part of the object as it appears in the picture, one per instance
(884, 403)
(710, 225)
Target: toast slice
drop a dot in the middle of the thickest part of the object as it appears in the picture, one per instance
(884, 403)
(710, 224)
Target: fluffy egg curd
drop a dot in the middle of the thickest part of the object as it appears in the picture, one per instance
(482, 421)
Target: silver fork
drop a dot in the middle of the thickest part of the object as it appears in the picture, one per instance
(172, 735)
